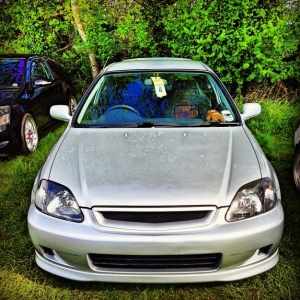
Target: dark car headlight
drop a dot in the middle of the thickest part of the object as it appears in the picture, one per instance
(252, 199)
(56, 200)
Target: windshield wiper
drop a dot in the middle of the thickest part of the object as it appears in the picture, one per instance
(166, 125)
(137, 125)
(215, 124)
(204, 124)
(125, 125)
(150, 125)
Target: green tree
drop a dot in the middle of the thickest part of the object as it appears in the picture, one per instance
(248, 42)
(76, 15)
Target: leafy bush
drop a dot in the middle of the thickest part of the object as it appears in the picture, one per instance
(248, 43)
(274, 127)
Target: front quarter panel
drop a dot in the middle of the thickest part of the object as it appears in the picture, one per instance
(266, 168)
(46, 169)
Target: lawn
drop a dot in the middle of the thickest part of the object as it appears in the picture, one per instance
(20, 278)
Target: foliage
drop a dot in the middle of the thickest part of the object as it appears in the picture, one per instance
(275, 132)
(245, 42)
(33, 27)
(248, 43)
(22, 279)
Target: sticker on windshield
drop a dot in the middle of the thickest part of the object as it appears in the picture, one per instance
(159, 86)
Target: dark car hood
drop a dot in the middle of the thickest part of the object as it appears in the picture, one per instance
(153, 167)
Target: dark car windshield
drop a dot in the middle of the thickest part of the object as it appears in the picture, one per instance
(162, 99)
(11, 72)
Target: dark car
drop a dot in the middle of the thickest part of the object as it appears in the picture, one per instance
(29, 86)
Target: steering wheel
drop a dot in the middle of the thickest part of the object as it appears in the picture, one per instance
(123, 106)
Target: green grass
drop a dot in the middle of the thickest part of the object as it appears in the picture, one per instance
(20, 278)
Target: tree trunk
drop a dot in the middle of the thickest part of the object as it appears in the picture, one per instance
(76, 15)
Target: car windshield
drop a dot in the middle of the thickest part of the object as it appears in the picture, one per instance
(11, 72)
(155, 99)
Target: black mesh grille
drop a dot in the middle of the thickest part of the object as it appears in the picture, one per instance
(202, 262)
(154, 217)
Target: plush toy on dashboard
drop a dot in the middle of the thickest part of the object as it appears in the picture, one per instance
(215, 116)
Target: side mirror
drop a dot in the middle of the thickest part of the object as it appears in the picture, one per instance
(60, 112)
(41, 82)
(250, 110)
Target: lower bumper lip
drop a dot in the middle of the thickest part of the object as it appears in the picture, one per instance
(158, 278)
(3, 148)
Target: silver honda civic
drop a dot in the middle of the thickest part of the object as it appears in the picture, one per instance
(156, 179)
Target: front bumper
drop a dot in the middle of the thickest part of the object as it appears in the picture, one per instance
(3, 146)
(248, 247)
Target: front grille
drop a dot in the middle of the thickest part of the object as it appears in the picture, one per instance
(154, 217)
(201, 262)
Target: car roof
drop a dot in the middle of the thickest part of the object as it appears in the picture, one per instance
(157, 63)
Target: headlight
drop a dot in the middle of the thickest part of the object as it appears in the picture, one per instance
(4, 117)
(252, 199)
(57, 201)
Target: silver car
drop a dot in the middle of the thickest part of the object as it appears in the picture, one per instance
(156, 179)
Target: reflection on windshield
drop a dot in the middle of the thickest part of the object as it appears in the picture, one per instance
(157, 98)
(11, 72)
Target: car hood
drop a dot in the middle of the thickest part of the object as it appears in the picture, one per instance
(155, 167)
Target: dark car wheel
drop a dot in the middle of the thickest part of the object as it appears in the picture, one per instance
(72, 104)
(296, 168)
(29, 134)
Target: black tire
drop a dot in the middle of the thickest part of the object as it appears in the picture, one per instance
(29, 134)
(296, 167)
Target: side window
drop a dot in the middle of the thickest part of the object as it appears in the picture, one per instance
(39, 70)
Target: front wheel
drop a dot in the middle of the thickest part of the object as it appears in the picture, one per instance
(29, 134)
(296, 167)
